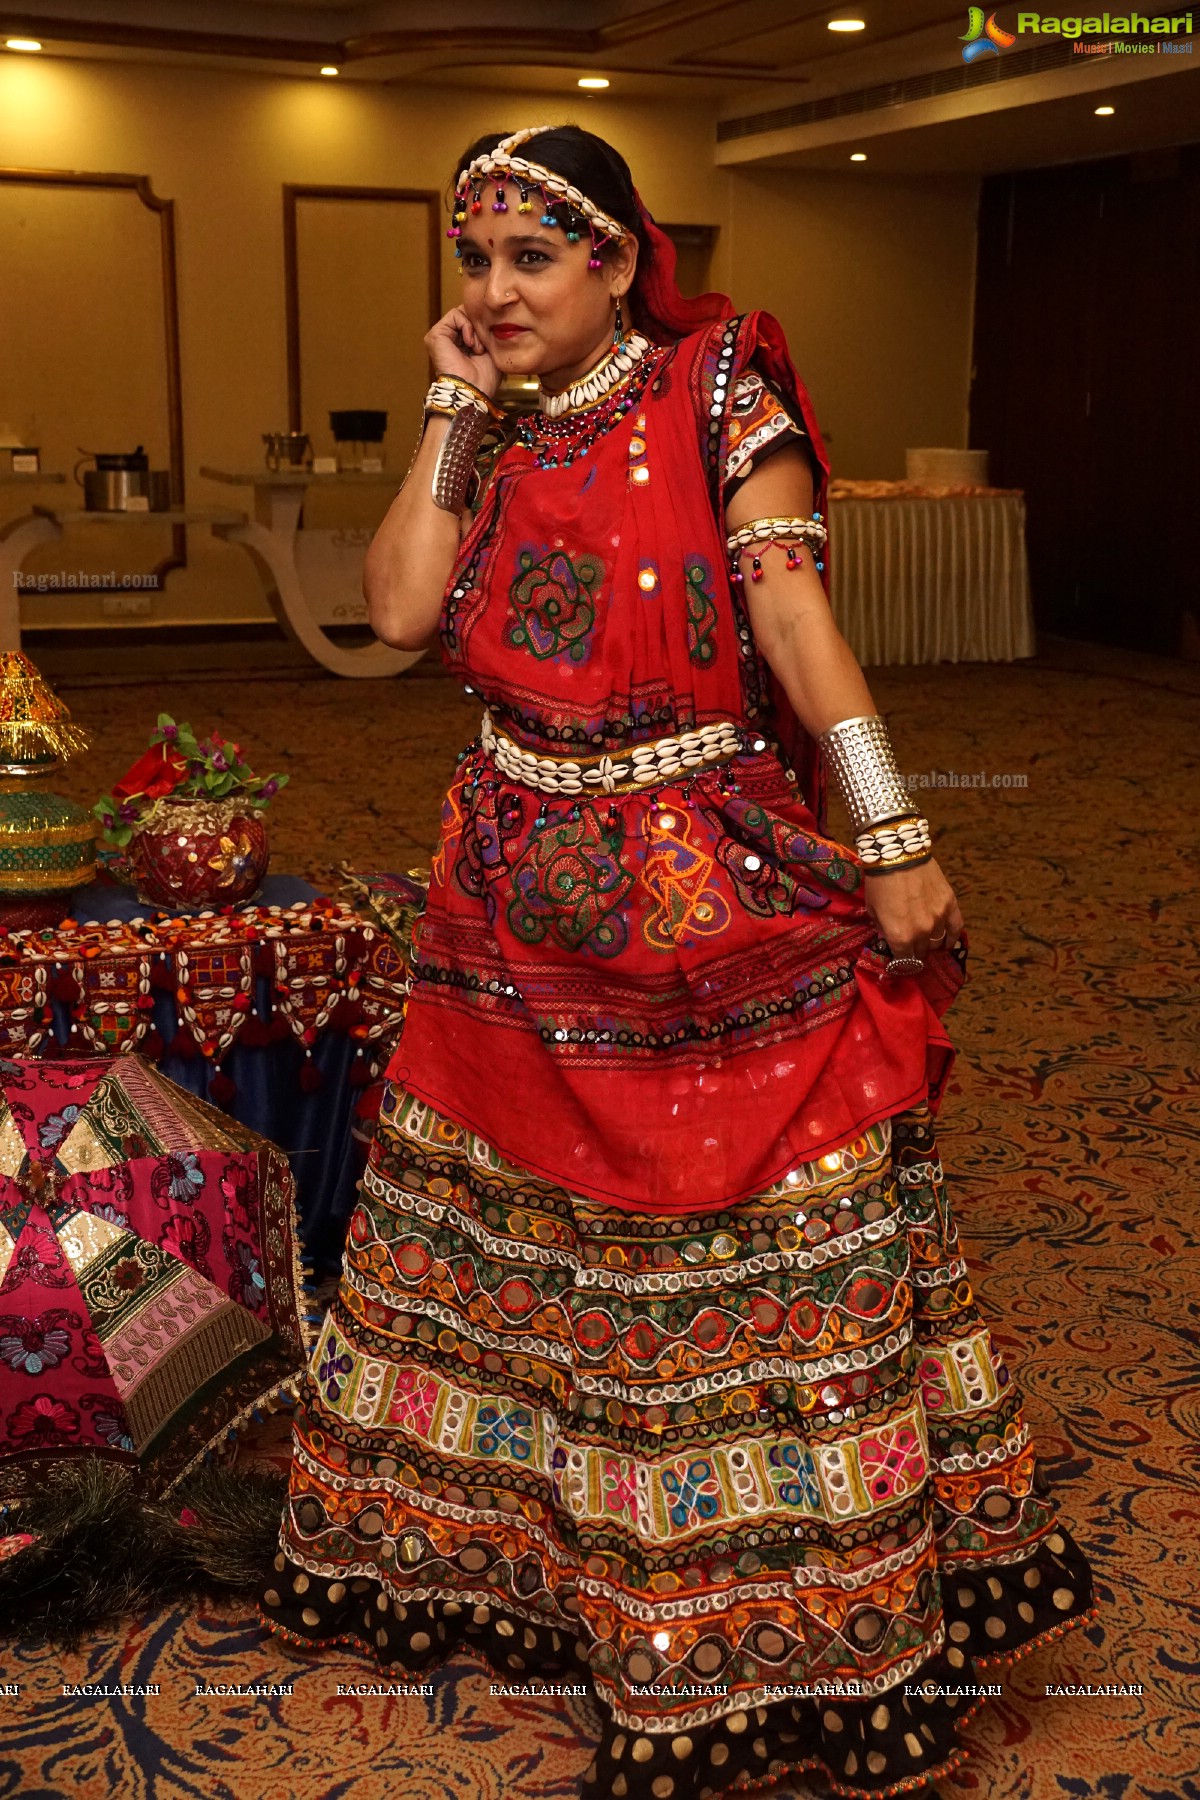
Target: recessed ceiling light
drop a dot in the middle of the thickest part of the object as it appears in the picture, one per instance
(592, 81)
(22, 44)
(847, 25)
(1103, 112)
(330, 70)
(858, 156)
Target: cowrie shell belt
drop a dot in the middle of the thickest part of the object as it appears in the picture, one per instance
(641, 766)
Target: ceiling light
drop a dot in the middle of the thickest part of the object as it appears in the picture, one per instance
(858, 156)
(847, 25)
(330, 70)
(1103, 112)
(592, 81)
(22, 44)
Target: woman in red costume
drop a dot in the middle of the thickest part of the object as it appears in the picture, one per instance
(654, 1355)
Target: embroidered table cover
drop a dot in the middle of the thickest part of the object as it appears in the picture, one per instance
(281, 1013)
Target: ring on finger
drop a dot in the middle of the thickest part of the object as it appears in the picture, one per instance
(904, 965)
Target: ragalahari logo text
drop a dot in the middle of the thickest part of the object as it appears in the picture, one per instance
(1109, 34)
(983, 37)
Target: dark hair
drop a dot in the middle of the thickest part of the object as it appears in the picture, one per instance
(597, 170)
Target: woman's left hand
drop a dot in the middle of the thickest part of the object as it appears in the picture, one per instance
(915, 910)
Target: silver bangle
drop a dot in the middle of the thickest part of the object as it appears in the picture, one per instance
(456, 458)
(859, 754)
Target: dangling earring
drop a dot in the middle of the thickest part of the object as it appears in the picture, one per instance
(618, 324)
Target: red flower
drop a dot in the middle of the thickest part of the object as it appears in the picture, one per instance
(44, 1418)
(159, 771)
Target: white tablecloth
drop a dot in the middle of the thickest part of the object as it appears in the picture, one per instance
(931, 580)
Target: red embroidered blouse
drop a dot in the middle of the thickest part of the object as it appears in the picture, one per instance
(664, 999)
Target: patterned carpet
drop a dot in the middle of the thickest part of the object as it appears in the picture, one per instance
(1070, 1135)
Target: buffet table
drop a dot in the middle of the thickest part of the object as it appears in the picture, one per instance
(276, 542)
(44, 525)
(282, 1012)
(921, 575)
(298, 569)
(16, 541)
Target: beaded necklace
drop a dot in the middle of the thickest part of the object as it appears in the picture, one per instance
(558, 442)
(612, 368)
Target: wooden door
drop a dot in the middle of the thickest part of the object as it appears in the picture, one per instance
(1086, 390)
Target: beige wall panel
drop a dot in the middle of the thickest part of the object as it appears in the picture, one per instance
(363, 302)
(872, 279)
(363, 290)
(84, 352)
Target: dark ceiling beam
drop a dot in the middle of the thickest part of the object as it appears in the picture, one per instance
(533, 40)
(157, 37)
(534, 43)
(535, 46)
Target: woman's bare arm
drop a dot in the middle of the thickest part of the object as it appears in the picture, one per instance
(411, 555)
(795, 630)
(789, 613)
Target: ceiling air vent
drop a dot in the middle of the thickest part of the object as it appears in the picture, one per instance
(960, 79)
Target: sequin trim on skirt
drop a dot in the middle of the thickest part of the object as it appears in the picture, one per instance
(761, 1473)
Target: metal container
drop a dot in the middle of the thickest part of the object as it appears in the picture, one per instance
(358, 437)
(287, 450)
(358, 425)
(111, 490)
(122, 481)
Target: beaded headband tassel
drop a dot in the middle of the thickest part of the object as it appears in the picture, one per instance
(500, 166)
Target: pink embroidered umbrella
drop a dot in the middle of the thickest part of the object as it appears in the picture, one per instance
(149, 1290)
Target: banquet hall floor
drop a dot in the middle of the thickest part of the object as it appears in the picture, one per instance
(1070, 1134)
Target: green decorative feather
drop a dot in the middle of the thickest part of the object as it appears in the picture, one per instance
(101, 1551)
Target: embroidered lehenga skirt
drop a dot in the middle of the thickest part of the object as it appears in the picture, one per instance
(760, 1474)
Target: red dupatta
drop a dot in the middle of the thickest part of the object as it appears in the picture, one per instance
(667, 315)
(756, 341)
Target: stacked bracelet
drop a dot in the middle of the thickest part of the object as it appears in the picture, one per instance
(889, 832)
(471, 415)
(785, 532)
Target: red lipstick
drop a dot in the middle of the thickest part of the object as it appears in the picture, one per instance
(506, 331)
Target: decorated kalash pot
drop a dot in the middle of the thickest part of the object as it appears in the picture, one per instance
(188, 818)
(47, 843)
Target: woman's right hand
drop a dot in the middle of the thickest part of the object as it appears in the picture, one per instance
(456, 348)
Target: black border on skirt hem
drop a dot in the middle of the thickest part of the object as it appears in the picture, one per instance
(857, 1746)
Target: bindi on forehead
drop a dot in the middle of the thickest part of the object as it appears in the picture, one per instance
(513, 240)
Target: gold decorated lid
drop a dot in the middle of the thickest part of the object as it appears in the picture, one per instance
(36, 730)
